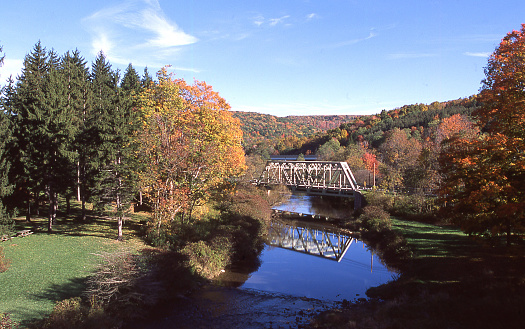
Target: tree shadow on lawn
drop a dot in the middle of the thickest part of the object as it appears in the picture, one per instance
(96, 226)
(34, 311)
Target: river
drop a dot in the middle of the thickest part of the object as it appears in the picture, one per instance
(292, 283)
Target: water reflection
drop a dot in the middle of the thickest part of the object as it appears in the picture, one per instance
(326, 206)
(299, 261)
(316, 241)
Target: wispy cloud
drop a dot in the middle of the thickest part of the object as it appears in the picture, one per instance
(260, 20)
(479, 54)
(136, 30)
(311, 16)
(350, 42)
(280, 20)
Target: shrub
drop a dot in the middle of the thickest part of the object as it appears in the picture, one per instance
(6, 322)
(380, 199)
(4, 263)
(374, 219)
(72, 313)
(7, 223)
(207, 259)
(120, 284)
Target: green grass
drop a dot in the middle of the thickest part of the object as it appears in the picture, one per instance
(446, 253)
(46, 268)
(451, 281)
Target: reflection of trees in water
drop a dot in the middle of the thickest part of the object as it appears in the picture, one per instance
(333, 207)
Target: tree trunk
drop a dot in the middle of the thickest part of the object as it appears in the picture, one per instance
(28, 213)
(508, 233)
(83, 214)
(50, 209)
(55, 207)
(78, 181)
(120, 236)
(68, 204)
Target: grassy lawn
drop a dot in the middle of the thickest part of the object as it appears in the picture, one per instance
(444, 253)
(451, 281)
(45, 268)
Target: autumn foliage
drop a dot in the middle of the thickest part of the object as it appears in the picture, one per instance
(191, 144)
(485, 174)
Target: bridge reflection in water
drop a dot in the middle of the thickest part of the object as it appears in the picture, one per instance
(309, 240)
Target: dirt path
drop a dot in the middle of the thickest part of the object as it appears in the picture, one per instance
(224, 307)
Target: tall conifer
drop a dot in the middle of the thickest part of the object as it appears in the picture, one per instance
(115, 157)
(29, 120)
(78, 92)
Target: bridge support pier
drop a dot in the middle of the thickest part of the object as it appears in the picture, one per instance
(359, 200)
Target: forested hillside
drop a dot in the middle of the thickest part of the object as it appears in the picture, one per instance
(257, 127)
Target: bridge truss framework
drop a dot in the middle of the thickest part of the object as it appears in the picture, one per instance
(311, 241)
(314, 177)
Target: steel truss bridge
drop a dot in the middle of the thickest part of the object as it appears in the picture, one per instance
(314, 177)
(308, 240)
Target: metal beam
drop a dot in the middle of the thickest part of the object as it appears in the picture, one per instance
(314, 177)
(316, 242)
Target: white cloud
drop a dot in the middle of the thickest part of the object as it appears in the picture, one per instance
(311, 16)
(259, 20)
(480, 54)
(275, 21)
(12, 67)
(136, 31)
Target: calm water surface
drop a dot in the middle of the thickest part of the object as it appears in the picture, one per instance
(299, 274)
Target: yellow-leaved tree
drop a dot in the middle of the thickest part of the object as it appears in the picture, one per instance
(191, 146)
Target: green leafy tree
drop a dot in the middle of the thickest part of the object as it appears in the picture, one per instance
(331, 151)
(400, 155)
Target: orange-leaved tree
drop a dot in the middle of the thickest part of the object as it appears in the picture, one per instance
(191, 145)
(485, 175)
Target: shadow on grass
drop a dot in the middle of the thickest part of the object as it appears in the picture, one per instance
(33, 311)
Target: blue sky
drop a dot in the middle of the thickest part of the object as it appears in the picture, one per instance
(285, 57)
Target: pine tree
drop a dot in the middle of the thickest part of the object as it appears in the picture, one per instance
(146, 79)
(131, 81)
(115, 157)
(29, 120)
(76, 74)
(6, 222)
(44, 130)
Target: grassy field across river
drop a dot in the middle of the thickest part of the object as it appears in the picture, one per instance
(450, 281)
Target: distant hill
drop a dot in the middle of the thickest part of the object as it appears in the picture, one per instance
(257, 127)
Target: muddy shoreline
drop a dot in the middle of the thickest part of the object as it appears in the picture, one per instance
(214, 306)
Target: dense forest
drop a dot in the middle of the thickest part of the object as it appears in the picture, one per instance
(108, 138)
(257, 127)
(411, 134)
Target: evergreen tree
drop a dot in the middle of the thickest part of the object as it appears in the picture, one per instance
(29, 119)
(6, 222)
(76, 74)
(146, 79)
(45, 129)
(131, 82)
(115, 157)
